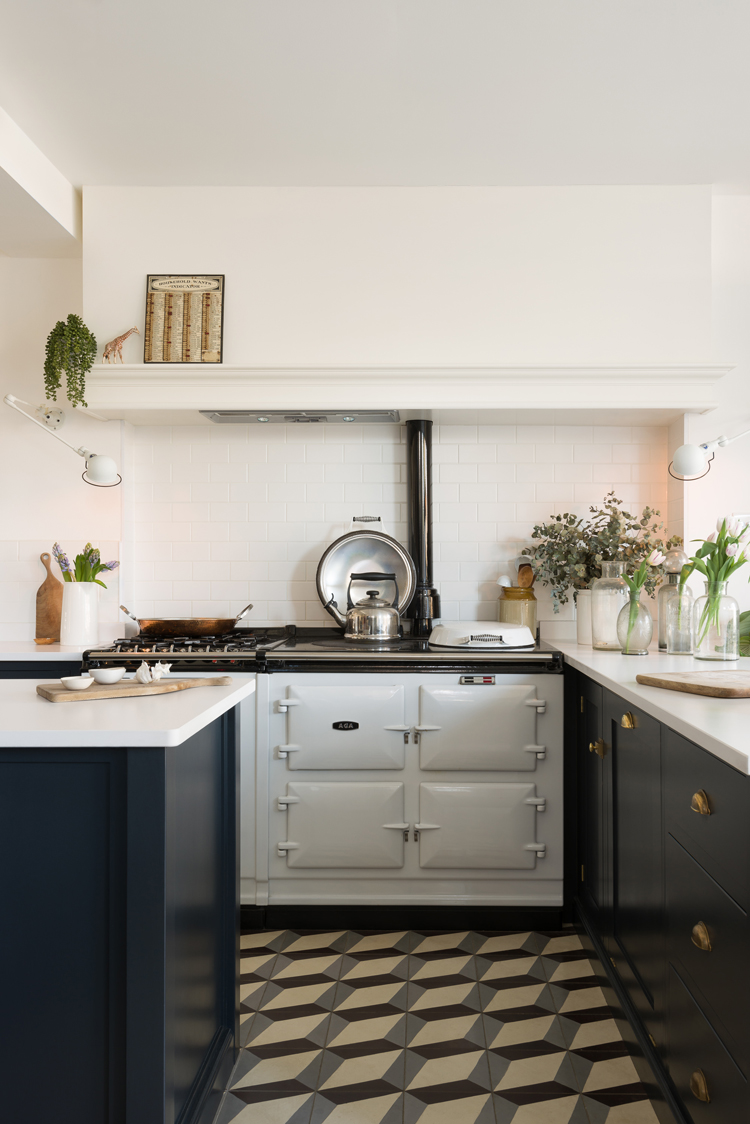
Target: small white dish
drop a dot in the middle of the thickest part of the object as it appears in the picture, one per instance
(107, 674)
(77, 682)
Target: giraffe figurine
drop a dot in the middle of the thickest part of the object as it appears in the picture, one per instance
(114, 347)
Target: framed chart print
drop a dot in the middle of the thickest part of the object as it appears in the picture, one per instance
(184, 318)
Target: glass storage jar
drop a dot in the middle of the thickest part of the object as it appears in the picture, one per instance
(635, 627)
(517, 606)
(716, 624)
(608, 595)
(679, 612)
(673, 563)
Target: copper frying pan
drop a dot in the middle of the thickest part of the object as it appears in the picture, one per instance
(169, 627)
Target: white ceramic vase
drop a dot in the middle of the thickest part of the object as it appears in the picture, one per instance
(583, 617)
(79, 624)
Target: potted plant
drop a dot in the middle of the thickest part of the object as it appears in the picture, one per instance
(71, 349)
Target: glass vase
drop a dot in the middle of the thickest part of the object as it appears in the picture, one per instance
(608, 595)
(679, 622)
(79, 623)
(635, 627)
(716, 623)
(583, 617)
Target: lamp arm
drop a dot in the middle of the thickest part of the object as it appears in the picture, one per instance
(12, 401)
(721, 442)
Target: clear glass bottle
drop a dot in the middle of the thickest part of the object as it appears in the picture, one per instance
(673, 563)
(680, 622)
(635, 627)
(608, 595)
(716, 623)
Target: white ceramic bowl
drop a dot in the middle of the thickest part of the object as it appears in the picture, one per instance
(107, 674)
(76, 682)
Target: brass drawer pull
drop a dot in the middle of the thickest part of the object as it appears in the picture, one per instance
(699, 1086)
(597, 747)
(629, 720)
(700, 937)
(700, 804)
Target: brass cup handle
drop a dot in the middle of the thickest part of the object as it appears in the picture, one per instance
(700, 937)
(699, 1086)
(597, 747)
(700, 804)
(629, 720)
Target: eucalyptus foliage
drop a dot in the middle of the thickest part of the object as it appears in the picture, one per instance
(572, 548)
(71, 348)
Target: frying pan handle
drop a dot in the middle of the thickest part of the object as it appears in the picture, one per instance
(240, 615)
(372, 576)
(128, 613)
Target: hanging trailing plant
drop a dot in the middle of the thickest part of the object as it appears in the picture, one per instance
(71, 348)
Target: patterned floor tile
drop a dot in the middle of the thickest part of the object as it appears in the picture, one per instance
(265, 1069)
(363, 942)
(521, 1073)
(557, 1107)
(516, 1025)
(462, 1101)
(257, 941)
(280, 1108)
(428, 942)
(348, 1107)
(583, 1029)
(313, 941)
(620, 1108)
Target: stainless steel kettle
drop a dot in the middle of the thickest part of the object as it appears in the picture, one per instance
(373, 618)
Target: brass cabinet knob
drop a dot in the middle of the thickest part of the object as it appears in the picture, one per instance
(700, 938)
(597, 747)
(700, 804)
(629, 721)
(699, 1086)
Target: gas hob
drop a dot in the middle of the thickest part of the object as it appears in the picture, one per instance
(288, 648)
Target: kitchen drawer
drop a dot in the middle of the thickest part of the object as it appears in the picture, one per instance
(721, 975)
(694, 1049)
(720, 841)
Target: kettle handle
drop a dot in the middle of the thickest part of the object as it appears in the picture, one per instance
(370, 577)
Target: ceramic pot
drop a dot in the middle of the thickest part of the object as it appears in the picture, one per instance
(583, 617)
(79, 623)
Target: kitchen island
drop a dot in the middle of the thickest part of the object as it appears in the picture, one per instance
(119, 884)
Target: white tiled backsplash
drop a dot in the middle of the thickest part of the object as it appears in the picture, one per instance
(230, 514)
(224, 515)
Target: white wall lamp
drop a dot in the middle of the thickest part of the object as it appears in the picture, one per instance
(692, 462)
(100, 471)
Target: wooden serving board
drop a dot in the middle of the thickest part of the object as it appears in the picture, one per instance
(48, 604)
(717, 684)
(126, 688)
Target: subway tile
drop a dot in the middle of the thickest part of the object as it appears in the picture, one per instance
(249, 454)
(380, 473)
(207, 454)
(533, 473)
(173, 532)
(456, 473)
(210, 532)
(478, 493)
(158, 551)
(305, 512)
(227, 512)
(496, 512)
(156, 589)
(286, 493)
(152, 473)
(573, 473)
(286, 454)
(535, 434)
(268, 551)
(307, 433)
(477, 454)
(459, 551)
(515, 454)
(229, 591)
(206, 492)
(511, 493)
(445, 493)
(241, 493)
(363, 493)
(9, 551)
(648, 434)
(227, 473)
(152, 512)
(445, 532)
(477, 532)
(611, 473)
(457, 512)
(248, 532)
(576, 434)
(188, 590)
(305, 473)
(556, 492)
(444, 454)
(446, 572)
(500, 473)
(209, 608)
(175, 571)
(612, 434)
(212, 570)
(340, 473)
(325, 493)
(553, 454)
(229, 551)
(191, 551)
(343, 433)
(191, 512)
(171, 493)
(286, 532)
(592, 454)
(324, 454)
(263, 473)
(363, 454)
(496, 434)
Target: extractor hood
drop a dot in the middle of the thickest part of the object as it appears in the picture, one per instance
(285, 417)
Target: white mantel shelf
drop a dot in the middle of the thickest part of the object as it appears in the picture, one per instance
(131, 390)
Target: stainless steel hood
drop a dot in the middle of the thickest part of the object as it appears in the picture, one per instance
(286, 417)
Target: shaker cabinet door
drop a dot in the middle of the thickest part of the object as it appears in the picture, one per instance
(343, 727)
(478, 727)
(344, 824)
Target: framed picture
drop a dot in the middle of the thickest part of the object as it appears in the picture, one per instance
(184, 318)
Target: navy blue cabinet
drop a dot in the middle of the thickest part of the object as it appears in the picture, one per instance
(119, 942)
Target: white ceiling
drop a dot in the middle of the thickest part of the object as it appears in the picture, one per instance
(341, 92)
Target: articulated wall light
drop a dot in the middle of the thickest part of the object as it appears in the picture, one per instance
(100, 471)
(692, 462)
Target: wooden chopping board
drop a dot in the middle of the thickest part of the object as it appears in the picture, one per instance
(127, 688)
(48, 604)
(717, 684)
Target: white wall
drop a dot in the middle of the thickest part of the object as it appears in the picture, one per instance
(416, 276)
(230, 514)
(727, 486)
(42, 496)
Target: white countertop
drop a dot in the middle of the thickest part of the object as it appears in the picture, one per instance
(27, 721)
(28, 650)
(722, 726)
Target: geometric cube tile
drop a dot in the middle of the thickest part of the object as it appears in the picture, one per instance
(286, 1108)
(430, 944)
(346, 1107)
(560, 1107)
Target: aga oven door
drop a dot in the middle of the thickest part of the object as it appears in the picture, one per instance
(488, 727)
(481, 826)
(345, 727)
(344, 825)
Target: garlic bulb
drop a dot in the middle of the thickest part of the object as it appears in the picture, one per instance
(160, 669)
(143, 674)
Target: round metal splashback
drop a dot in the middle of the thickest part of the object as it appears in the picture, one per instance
(365, 551)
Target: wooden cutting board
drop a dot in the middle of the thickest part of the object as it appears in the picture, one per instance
(48, 604)
(127, 688)
(718, 684)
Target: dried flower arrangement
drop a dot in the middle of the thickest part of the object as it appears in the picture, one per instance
(572, 548)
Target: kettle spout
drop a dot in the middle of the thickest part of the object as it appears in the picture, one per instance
(333, 609)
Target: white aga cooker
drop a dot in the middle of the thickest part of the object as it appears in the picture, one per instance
(410, 774)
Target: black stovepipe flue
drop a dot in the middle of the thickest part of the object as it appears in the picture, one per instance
(425, 606)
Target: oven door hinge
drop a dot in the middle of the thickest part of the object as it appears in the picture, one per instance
(284, 704)
(424, 827)
(283, 801)
(423, 730)
(404, 827)
(540, 704)
(282, 848)
(539, 802)
(405, 730)
(540, 848)
(539, 750)
(283, 751)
